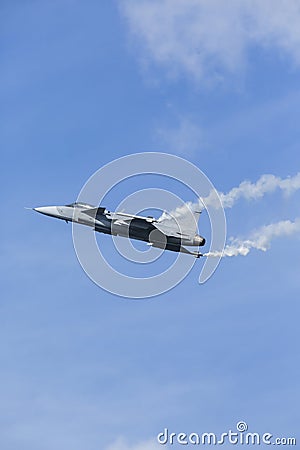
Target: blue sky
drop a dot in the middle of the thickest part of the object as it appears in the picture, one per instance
(83, 83)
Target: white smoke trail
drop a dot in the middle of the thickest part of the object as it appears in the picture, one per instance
(260, 239)
(250, 191)
(253, 191)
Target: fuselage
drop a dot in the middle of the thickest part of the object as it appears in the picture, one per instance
(147, 229)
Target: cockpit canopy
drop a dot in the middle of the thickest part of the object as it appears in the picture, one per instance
(80, 205)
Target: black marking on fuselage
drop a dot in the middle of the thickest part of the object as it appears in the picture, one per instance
(139, 229)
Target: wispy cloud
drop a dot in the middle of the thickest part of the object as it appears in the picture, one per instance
(206, 38)
(121, 444)
(185, 138)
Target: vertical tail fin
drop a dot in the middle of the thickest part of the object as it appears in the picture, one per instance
(184, 219)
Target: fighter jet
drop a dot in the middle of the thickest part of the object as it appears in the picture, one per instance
(168, 233)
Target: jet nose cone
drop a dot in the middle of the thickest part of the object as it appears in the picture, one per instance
(47, 210)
